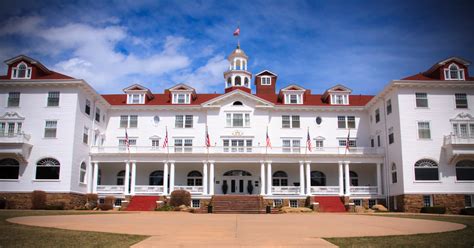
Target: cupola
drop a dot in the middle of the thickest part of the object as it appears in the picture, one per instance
(237, 77)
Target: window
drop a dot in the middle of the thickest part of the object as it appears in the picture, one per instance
(378, 141)
(82, 173)
(319, 144)
(238, 81)
(181, 98)
(461, 100)
(50, 129)
(357, 202)
(426, 170)
(10, 128)
(277, 203)
(156, 178)
(421, 100)
(454, 73)
(465, 170)
(377, 115)
(293, 98)
(237, 103)
(53, 99)
(391, 138)
(136, 98)
(97, 114)
(229, 82)
(280, 178)
(121, 177)
(124, 121)
(133, 121)
(183, 121)
(461, 129)
(394, 173)
(351, 122)
(128, 121)
(293, 203)
(291, 145)
(237, 145)
(87, 109)
(372, 202)
(155, 143)
(352, 142)
(318, 178)
(266, 80)
(469, 201)
(195, 203)
(389, 106)
(290, 121)
(123, 143)
(183, 145)
(319, 120)
(427, 201)
(13, 99)
(354, 178)
(340, 99)
(21, 71)
(237, 120)
(118, 202)
(194, 178)
(85, 135)
(343, 122)
(47, 168)
(9, 168)
(424, 130)
(372, 142)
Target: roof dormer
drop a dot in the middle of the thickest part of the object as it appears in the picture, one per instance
(265, 82)
(337, 95)
(137, 94)
(21, 71)
(292, 94)
(182, 94)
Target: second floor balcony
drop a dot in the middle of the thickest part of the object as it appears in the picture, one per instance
(16, 144)
(458, 146)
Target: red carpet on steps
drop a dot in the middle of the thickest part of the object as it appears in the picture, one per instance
(330, 204)
(142, 203)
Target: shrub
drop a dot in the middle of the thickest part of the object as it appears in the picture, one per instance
(108, 203)
(467, 211)
(433, 210)
(3, 203)
(91, 201)
(56, 206)
(38, 199)
(165, 208)
(180, 197)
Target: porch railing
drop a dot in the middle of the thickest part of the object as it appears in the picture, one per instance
(286, 190)
(363, 190)
(144, 189)
(110, 189)
(458, 140)
(191, 189)
(325, 190)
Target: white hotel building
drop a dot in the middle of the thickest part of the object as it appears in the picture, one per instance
(411, 145)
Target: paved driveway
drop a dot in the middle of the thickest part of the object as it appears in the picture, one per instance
(170, 229)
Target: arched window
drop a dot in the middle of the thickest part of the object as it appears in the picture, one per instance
(246, 82)
(354, 178)
(318, 178)
(82, 172)
(120, 177)
(47, 168)
(229, 82)
(238, 81)
(194, 178)
(237, 173)
(238, 65)
(9, 168)
(394, 173)
(22, 70)
(454, 72)
(465, 170)
(156, 178)
(426, 169)
(237, 103)
(280, 178)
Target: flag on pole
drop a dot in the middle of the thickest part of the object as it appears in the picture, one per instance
(208, 140)
(308, 141)
(268, 142)
(347, 140)
(127, 142)
(165, 142)
(237, 31)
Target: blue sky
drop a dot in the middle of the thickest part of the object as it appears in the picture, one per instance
(315, 44)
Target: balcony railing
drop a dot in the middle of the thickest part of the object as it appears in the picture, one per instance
(238, 150)
(110, 189)
(147, 189)
(458, 140)
(191, 189)
(325, 190)
(286, 190)
(363, 190)
(14, 138)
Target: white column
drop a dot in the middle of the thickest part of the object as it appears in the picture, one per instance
(90, 175)
(127, 178)
(133, 178)
(341, 179)
(95, 177)
(379, 178)
(204, 178)
(165, 178)
(262, 178)
(269, 178)
(308, 177)
(301, 178)
(171, 176)
(348, 178)
(211, 178)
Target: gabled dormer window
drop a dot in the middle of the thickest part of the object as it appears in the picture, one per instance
(266, 80)
(22, 71)
(135, 98)
(293, 98)
(181, 98)
(340, 99)
(453, 72)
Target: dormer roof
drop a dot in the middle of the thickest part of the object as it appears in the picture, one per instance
(266, 72)
(137, 88)
(293, 87)
(182, 87)
(29, 60)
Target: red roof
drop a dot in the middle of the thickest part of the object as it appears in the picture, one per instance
(52, 75)
(418, 76)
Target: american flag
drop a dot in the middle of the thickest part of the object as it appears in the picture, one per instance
(208, 140)
(237, 31)
(165, 142)
(269, 143)
(308, 142)
(127, 142)
(348, 139)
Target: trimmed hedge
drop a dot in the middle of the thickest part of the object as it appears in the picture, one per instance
(433, 210)
(56, 206)
(3, 203)
(467, 211)
(38, 199)
(180, 197)
(91, 201)
(108, 203)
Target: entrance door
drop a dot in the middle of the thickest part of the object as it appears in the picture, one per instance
(235, 181)
(236, 186)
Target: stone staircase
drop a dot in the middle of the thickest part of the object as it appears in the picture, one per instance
(245, 204)
(330, 204)
(142, 203)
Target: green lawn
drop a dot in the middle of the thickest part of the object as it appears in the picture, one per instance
(460, 238)
(14, 235)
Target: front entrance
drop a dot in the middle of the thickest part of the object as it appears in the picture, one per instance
(237, 182)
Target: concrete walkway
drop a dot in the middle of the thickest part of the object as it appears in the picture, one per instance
(172, 229)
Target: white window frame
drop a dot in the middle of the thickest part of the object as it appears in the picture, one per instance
(420, 129)
(430, 200)
(83, 173)
(15, 71)
(97, 114)
(319, 144)
(392, 138)
(346, 121)
(187, 121)
(230, 119)
(298, 98)
(87, 107)
(459, 72)
(53, 125)
(471, 200)
(232, 145)
(421, 96)
(389, 106)
(155, 143)
(181, 98)
(194, 205)
(132, 141)
(457, 96)
(85, 136)
(51, 96)
(339, 99)
(277, 203)
(129, 121)
(294, 145)
(13, 97)
(293, 203)
(352, 142)
(136, 98)
(266, 80)
(292, 120)
(183, 145)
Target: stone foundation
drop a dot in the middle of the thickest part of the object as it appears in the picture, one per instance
(23, 200)
(412, 203)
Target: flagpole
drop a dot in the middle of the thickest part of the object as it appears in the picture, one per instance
(306, 150)
(167, 145)
(266, 145)
(207, 141)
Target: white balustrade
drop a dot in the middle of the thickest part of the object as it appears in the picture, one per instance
(325, 190)
(148, 189)
(364, 190)
(191, 189)
(286, 190)
(110, 189)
